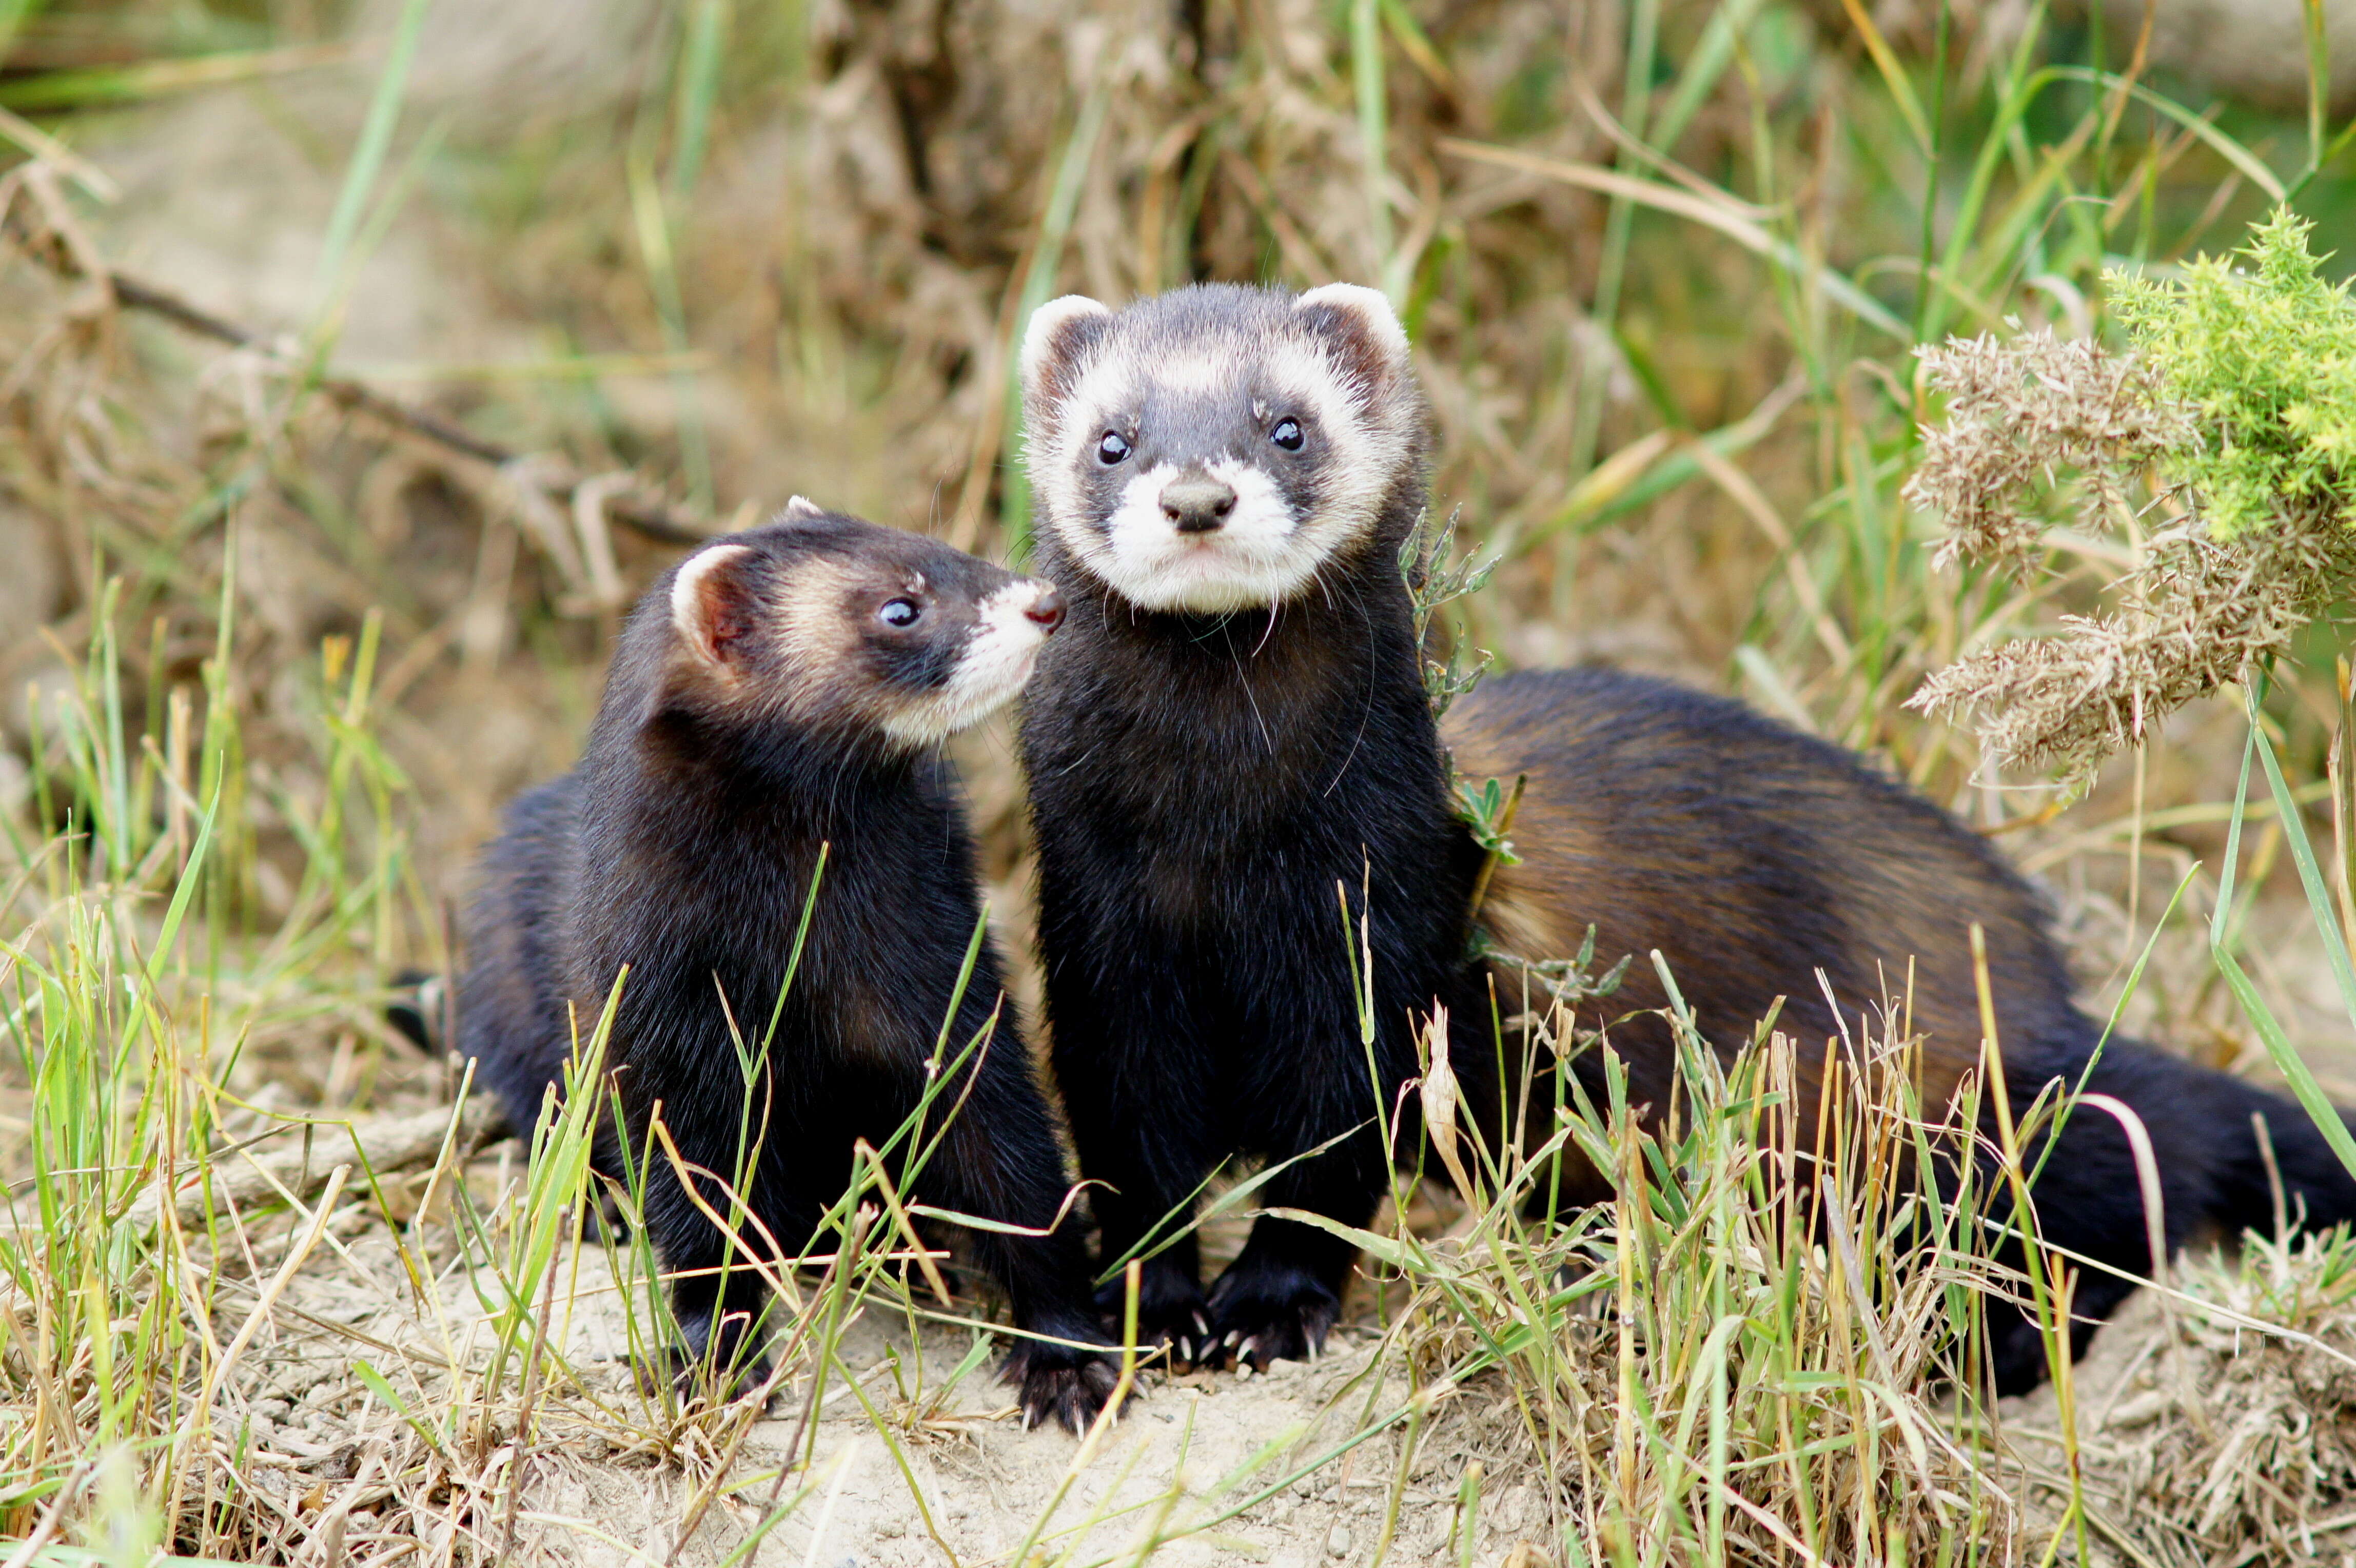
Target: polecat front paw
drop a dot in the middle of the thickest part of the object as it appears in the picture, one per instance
(1255, 1321)
(717, 1358)
(1171, 1315)
(1060, 1383)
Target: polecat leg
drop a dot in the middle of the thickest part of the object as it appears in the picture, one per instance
(998, 1160)
(722, 1308)
(1138, 1210)
(1144, 1136)
(1279, 1298)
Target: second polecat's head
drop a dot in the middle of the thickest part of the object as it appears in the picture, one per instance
(844, 629)
(1217, 449)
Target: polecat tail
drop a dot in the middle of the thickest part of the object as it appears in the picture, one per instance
(2316, 1189)
(2212, 1172)
(2204, 1127)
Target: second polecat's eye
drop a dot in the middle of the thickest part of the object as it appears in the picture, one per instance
(1112, 449)
(1287, 434)
(900, 612)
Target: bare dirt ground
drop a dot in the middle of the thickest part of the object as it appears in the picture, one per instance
(367, 1372)
(919, 1457)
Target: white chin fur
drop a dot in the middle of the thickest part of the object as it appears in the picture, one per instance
(1262, 555)
(996, 663)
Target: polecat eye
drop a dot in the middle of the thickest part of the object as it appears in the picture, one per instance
(1112, 449)
(1287, 434)
(900, 612)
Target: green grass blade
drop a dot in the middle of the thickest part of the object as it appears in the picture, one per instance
(369, 153)
(2319, 78)
(56, 89)
(2287, 1060)
(1374, 138)
(1038, 287)
(2251, 166)
(707, 31)
(192, 875)
(2310, 874)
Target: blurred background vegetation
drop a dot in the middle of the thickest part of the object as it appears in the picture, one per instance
(360, 358)
(506, 300)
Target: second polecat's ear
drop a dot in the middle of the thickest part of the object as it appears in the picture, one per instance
(711, 605)
(800, 508)
(1055, 343)
(1360, 327)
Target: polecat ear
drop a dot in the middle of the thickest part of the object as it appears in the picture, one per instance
(1053, 345)
(712, 603)
(800, 508)
(1358, 324)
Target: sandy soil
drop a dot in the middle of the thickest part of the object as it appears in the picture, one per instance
(915, 1465)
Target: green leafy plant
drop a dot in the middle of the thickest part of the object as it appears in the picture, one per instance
(2261, 362)
(2234, 407)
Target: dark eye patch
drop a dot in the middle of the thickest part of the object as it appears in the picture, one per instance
(920, 663)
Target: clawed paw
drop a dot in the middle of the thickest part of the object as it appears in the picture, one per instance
(1251, 1329)
(1061, 1384)
(694, 1377)
(1178, 1325)
(718, 1360)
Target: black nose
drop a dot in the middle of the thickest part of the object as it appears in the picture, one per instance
(1046, 611)
(1197, 506)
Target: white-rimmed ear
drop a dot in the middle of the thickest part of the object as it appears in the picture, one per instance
(1059, 332)
(800, 508)
(711, 604)
(1360, 326)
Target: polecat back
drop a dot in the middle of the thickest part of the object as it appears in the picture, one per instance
(1237, 725)
(779, 697)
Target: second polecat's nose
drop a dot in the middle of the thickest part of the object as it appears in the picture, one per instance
(1046, 611)
(1197, 506)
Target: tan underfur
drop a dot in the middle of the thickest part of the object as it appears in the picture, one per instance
(819, 648)
(1571, 877)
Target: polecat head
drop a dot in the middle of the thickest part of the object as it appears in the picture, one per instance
(843, 628)
(1214, 449)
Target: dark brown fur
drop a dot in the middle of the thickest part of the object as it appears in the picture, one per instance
(731, 752)
(1204, 784)
(1768, 868)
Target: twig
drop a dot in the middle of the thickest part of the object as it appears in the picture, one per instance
(643, 512)
(379, 1146)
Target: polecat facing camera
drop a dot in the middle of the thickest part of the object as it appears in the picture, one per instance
(1221, 449)
(1235, 732)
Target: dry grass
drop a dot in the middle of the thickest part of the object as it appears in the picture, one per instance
(344, 531)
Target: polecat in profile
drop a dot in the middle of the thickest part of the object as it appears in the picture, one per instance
(782, 693)
(1235, 723)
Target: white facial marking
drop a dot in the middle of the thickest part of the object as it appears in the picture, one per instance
(1040, 334)
(1370, 306)
(1194, 373)
(686, 594)
(1259, 555)
(997, 660)
(1361, 438)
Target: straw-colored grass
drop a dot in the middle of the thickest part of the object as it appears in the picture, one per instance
(320, 520)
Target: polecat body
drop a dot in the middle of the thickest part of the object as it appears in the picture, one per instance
(1236, 723)
(780, 694)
